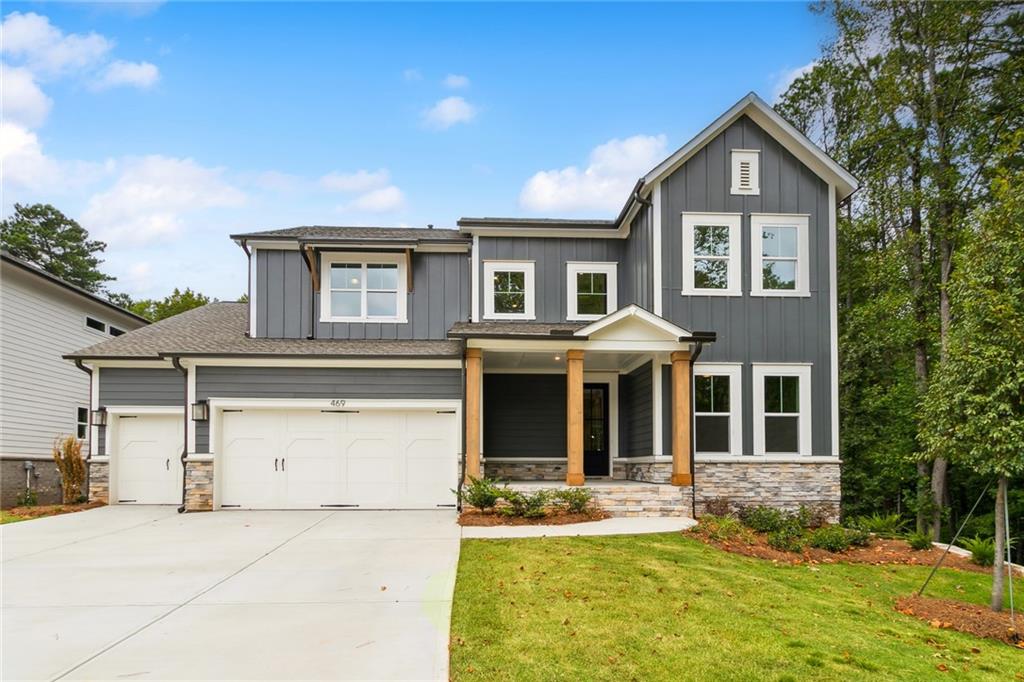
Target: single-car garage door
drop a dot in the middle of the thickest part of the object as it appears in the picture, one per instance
(372, 459)
(148, 459)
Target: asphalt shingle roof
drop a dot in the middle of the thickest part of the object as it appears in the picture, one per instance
(219, 329)
(344, 233)
(514, 329)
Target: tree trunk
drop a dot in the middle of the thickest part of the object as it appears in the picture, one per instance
(998, 565)
(939, 467)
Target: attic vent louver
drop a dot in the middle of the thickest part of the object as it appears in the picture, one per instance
(745, 171)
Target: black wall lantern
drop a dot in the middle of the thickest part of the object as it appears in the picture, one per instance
(99, 417)
(200, 411)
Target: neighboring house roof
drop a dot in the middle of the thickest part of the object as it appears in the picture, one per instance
(219, 330)
(540, 223)
(331, 233)
(515, 330)
(24, 265)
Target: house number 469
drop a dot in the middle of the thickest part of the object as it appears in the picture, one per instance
(337, 403)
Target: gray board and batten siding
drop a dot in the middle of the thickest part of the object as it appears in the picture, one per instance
(636, 413)
(286, 305)
(524, 415)
(754, 329)
(139, 387)
(322, 382)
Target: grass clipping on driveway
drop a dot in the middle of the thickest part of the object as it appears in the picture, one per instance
(667, 607)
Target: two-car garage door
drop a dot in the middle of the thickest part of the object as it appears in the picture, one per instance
(303, 459)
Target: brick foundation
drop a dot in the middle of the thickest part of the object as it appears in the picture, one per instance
(198, 486)
(525, 471)
(99, 482)
(782, 485)
(43, 479)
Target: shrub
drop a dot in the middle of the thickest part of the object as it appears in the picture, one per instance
(789, 538)
(530, 506)
(719, 506)
(482, 493)
(882, 525)
(28, 498)
(763, 519)
(67, 453)
(858, 537)
(575, 500)
(815, 516)
(983, 550)
(830, 538)
(721, 528)
(919, 541)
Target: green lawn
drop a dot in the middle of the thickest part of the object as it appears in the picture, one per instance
(8, 517)
(666, 607)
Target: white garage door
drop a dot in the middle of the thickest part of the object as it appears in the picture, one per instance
(148, 459)
(311, 459)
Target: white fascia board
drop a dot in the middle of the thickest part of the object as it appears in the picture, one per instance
(332, 404)
(426, 363)
(633, 310)
(833, 323)
(173, 410)
(597, 233)
(152, 364)
(527, 344)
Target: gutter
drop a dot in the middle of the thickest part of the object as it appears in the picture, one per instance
(699, 346)
(462, 454)
(176, 361)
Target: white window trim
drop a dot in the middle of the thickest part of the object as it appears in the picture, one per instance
(328, 259)
(85, 323)
(758, 221)
(762, 370)
(490, 267)
(753, 156)
(733, 221)
(573, 268)
(735, 374)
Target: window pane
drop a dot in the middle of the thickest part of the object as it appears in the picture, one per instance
(509, 302)
(114, 331)
(720, 394)
(346, 276)
(711, 274)
(346, 303)
(599, 282)
(710, 240)
(779, 274)
(381, 276)
(381, 304)
(790, 394)
(510, 281)
(95, 324)
(584, 283)
(592, 304)
(781, 434)
(81, 431)
(786, 241)
(712, 434)
(83, 414)
(702, 394)
(773, 394)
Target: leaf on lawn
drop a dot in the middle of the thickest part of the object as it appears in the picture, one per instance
(975, 650)
(942, 667)
(565, 622)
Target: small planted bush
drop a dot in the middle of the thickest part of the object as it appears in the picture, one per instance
(882, 525)
(919, 541)
(482, 493)
(28, 498)
(983, 550)
(531, 506)
(789, 538)
(829, 538)
(67, 454)
(575, 500)
(721, 528)
(763, 519)
(858, 537)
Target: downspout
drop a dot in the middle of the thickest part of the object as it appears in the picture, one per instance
(88, 456)
(699, 346)
(462, 455)
(176, 361)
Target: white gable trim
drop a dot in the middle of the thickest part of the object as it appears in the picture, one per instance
(629, 312)
(776, 126)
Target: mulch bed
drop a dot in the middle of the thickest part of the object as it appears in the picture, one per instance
(40, 510)
(970, 618)
(554, 518)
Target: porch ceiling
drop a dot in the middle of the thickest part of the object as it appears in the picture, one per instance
(554, 361)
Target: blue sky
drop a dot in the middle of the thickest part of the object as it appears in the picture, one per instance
(165, 127)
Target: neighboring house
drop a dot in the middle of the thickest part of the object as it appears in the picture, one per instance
(42, 396)
(689, 342)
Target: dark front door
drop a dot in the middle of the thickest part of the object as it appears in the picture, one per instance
(595, 430)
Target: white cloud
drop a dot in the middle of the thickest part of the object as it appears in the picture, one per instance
(26, 168)
(45, 49)
(786, 78)
(448, 112)
(383, 200)
(152, 196)
(360, 181)
(21, 100)
(133, 74)
(412, 75)
(455, 81)
(276, 181)
(603, 185)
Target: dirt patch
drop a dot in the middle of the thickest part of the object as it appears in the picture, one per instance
(41, 510)
(558, 518)
(970, 618)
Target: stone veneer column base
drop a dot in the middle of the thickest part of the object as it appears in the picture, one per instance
(198, 485)
(99, 482)
(646, 472)
(784, 485)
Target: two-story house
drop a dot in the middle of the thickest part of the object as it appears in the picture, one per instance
(690, 342)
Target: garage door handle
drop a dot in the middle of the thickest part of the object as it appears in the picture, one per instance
(282, 464)
(275, 464)
(167, 464)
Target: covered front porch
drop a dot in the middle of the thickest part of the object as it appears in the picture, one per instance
(601, 403)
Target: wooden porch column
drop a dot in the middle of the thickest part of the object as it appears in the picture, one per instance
(681, 419)
(474, 360)
(574, 420)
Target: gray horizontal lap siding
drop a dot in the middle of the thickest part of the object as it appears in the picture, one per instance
(550, 256)
(754, 329)
(524, 415)
(286, 303)
(322, 382)
(636, 408)
(139, 387)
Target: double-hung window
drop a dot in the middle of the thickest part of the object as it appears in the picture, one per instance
(780, 253)
(82, 422)
(591, 290)
(782, 410)
(363, 288)
(711, 254)
(717, 405)
(508, 290)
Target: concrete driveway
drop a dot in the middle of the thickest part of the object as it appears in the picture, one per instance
(145, 593)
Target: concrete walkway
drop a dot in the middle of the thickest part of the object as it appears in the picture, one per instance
(613, 526)
(146, 593)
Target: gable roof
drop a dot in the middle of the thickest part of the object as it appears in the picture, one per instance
(633, 312)
(25, 266)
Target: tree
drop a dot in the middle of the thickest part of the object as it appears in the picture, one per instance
(974, 409)
(177, 302)
(45, 237)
